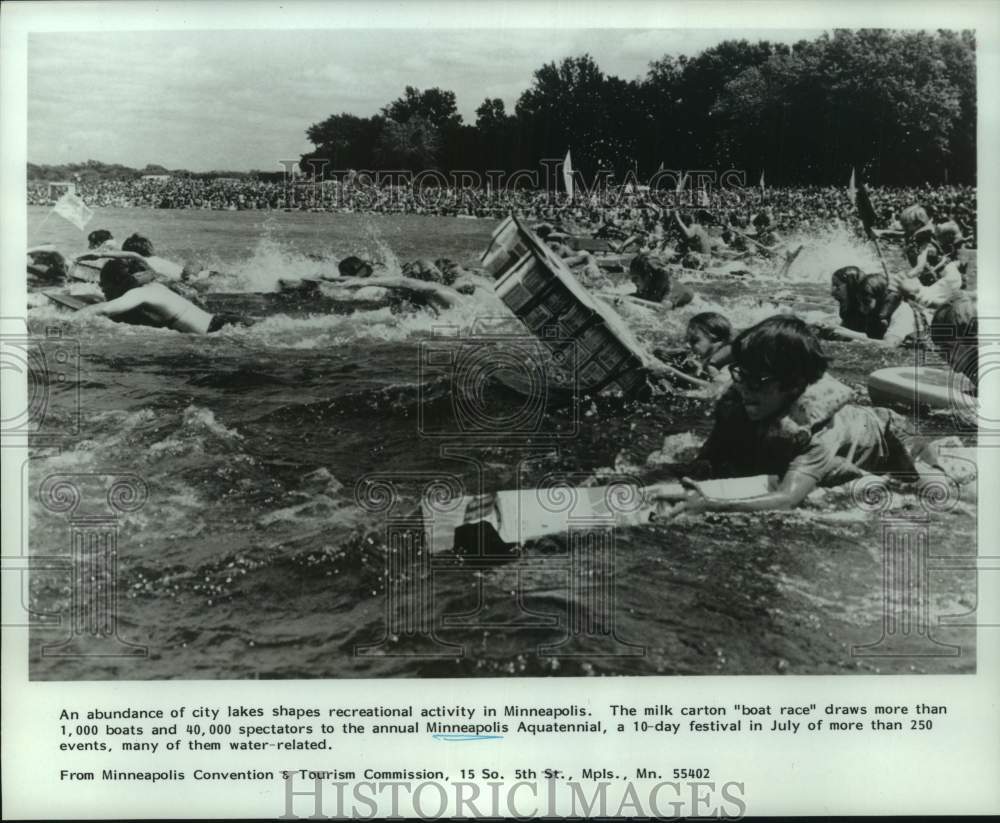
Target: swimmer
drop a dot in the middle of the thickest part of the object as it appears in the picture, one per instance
(860, 297)
(137, 244)
(785, 416)
(706, 335)
(101, 240)
(653, 284)
(46, 266)
(133, 296)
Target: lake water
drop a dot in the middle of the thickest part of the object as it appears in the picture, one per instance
(253, 557)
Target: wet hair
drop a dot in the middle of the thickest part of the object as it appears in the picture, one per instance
(96, 237)
(653, 281)
(866, 295)
(138, 244)
(423, 269)
(713, 325)
(913, 218)
(354, 267)
(118, 277)
(782, 347)
(955, 327)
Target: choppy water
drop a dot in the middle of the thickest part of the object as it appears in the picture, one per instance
(252, 556)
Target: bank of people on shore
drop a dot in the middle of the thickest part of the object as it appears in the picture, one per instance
(616, 212)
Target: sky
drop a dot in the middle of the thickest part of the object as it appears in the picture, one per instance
(242, 100)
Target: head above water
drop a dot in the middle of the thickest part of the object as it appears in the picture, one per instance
(715, 326)
(97, 237)
(354, 267)
(955, 331)
(138, 244)
(774, 362)
(914, 218)
(119, 276)
(707, 333)
(652, 281)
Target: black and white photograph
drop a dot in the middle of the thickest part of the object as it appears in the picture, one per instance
(564, 410)
(572, 353)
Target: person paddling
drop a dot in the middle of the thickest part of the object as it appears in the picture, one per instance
(134, 296)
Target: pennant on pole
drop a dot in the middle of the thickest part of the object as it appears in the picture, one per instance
(568, 174)
(865, 210)
(72, 208)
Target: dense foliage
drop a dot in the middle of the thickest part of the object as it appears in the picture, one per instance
(901, 106)
(898, 106)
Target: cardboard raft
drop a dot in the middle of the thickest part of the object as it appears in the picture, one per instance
(508, 518)
(539, 288)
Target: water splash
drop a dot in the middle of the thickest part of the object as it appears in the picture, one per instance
(826, 250)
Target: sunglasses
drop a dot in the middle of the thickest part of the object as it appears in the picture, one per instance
(753, 382)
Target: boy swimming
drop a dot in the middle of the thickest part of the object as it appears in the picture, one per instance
(133, 296)
(785, 416)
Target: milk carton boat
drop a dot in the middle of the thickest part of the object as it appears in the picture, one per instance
(539, 288)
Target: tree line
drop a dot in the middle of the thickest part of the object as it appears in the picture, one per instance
(900, 106)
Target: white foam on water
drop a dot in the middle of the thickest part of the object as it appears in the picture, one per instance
(825, 251)
(382, 325)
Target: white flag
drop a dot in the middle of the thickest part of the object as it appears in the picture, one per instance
(568, 174)
(72, 208)
(852, 190)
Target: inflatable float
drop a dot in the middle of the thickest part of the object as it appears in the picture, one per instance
(923, 386)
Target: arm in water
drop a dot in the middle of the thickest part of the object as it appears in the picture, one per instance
(436, 294)
(689, 233)
(164, 305)
(120, 255)
(134, 299)
(795, 487)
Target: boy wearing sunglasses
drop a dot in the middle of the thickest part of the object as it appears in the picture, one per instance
(785, 416)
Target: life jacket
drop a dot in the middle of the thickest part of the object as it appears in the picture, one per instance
(813, 408)
(768, 447)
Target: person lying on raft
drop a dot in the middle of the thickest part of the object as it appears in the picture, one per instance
(46, 266)
(134, 296)
(422, 283)
(929, 250)
(137, 247)
(923, 291)
(706, 335)
(860, 297)
(102, 240)
(695, 247)
(653, 284)
(785, 416)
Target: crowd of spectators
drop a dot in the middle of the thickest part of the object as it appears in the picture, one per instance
(791, 208)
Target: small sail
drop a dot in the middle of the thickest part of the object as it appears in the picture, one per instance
(568, 174)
